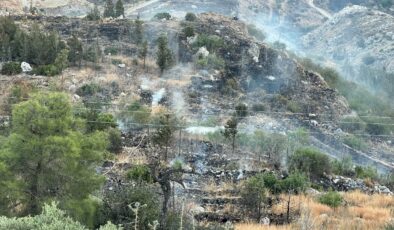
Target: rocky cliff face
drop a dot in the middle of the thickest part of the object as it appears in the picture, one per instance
(257, 66)
(356, 35)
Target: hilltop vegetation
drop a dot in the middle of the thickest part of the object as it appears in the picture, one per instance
(190, 124)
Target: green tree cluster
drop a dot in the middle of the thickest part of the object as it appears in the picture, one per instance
(94, 14)
(47, 157)
(37, 47)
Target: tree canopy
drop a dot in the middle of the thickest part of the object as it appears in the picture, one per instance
(47, 157)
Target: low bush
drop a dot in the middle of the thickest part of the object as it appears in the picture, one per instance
(241, 110)
(191, 17)
(140, 173)
(366, 172)
(163, 15)
(212, 61)
(258, 107)
(115, 140)
(188, 31)
(88, 90)
(211, 42)
(46, 70)
(295, 182)
(111, 50)
(332, 199)
(343, 167)
(11, 68)
(355, 142)
(116, 61)
(311, 162)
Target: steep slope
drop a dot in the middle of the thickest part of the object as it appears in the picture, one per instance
(356, 35)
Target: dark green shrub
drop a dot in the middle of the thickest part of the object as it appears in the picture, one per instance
(94, 14)
(111, 50)
(241, 110)
(311, 162)
(293, 107)
(46, 70)
(105, 121)
(270, 181)
(355, 142)
(116, 61)
(295, 182)
(253, 195)
(211, 42)
(332, 199)
(92, 53)
(258, 107)
(11, 68)
(88, 90)
(188, 31)
(191, 17)
(115, 140)
(163, 15)
(212, 61)
(231, 87)
(117, 202)
(343, 167)
(140, 173)
(366, 172)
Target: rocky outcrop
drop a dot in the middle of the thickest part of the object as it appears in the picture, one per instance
(342, 183)
(272, 71)
(355, 36)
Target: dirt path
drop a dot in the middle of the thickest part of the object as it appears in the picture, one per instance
(320, 10)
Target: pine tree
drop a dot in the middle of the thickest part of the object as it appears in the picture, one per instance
(119, 9)
(61, 61)
(230, 130)
(138, 31)
(164, 54)
(76, 51)
(109, 9)
(94, 14)
(46, 157)
(144, 52)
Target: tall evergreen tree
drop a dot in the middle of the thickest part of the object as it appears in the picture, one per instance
(164, 55)
(109, 10)
(94, 14)
(138, 31)
(144, 52)
(47, 157)
(76, 51)
(230, 130)
(119, 9)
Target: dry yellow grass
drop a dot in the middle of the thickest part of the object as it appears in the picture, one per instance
(376, 200)
(361, 211)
